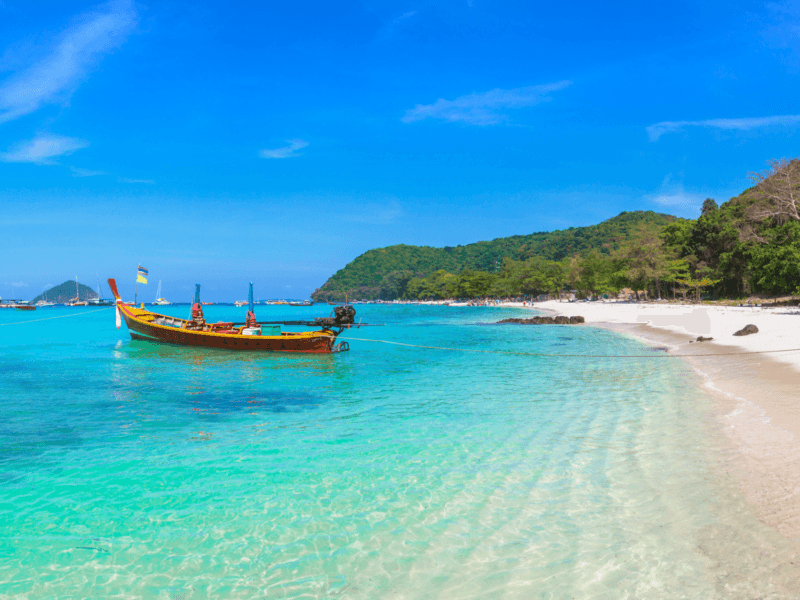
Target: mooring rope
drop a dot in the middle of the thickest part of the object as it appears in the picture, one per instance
(81, 314)
(518, 353)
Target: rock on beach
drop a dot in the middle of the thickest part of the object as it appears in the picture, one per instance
(747, 330)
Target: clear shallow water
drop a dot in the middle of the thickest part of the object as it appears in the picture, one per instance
(134, 470)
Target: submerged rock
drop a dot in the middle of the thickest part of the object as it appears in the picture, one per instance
(560, 320)
(747, 330)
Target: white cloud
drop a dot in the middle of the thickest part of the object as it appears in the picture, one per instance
(19, 284)
(376, 214)
(78, 172)
(657, 130)
(128, 180)
(680, 199)
(672, 195)
(405, 16)
(286, 151)
(43, 149)
(54, 77)
(485, 108)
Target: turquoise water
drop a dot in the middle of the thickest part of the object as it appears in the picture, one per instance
(131, 470)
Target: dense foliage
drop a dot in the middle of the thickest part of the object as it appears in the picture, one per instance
(750, 244)
(385, 272)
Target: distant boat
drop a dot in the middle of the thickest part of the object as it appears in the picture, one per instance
(301, 303)
(99, 300)
(240, 303)
(18, 304)
(76, 301)
(41, 303)
(159, 300)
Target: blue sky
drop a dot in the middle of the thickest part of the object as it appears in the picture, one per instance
(275, 142)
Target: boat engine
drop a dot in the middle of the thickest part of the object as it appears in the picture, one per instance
(342, 317)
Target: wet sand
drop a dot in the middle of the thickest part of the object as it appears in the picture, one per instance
(756, 402)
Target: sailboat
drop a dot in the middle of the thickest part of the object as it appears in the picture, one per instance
(159, 300)
(76, 301)
(99, 300)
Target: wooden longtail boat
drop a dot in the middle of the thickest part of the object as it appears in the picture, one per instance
(146, 325)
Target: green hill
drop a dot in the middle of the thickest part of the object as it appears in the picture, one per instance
(66, 292)
(369, 275)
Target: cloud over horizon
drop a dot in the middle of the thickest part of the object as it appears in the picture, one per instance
(656, 130)
(43, 149)
(289, 151)
(55, 77)
(484, 108)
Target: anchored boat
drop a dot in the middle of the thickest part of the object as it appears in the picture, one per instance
(250, 335)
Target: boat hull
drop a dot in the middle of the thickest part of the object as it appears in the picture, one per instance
(314, 342)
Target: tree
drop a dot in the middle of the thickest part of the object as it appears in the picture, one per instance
(677, 272)
(777, 195)
(644, 257)
(776, 265)
(709, 206)
(575, 271)
(697, 284)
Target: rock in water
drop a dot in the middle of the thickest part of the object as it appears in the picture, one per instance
(747, 330)
(560, 320)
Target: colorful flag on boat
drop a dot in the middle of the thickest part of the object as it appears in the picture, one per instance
(141, 275)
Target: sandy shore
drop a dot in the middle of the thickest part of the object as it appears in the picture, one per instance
(756, 396)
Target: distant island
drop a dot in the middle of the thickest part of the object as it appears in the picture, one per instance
(748, 245)
(66, 292)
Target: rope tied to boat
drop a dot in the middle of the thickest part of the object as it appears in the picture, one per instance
(547, 355)
(81, 314)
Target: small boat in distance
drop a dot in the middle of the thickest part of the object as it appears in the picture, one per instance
(18, 304)
(159, 301)
(249, 335)
(76, 301)
(239, 303)
(307, 303)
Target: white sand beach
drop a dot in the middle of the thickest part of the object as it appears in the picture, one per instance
(779, 328)
(756, 390)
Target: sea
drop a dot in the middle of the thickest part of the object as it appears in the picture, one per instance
(444, 456)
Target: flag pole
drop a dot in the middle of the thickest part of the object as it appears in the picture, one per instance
(136, 290)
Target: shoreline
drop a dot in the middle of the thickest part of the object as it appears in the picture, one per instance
(756, 397)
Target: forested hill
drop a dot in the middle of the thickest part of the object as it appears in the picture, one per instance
(66, 292)
(372, 274)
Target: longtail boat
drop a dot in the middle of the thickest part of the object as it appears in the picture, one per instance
(250, 335)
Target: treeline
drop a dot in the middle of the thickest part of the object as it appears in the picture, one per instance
(380, 273)
(750, 244)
